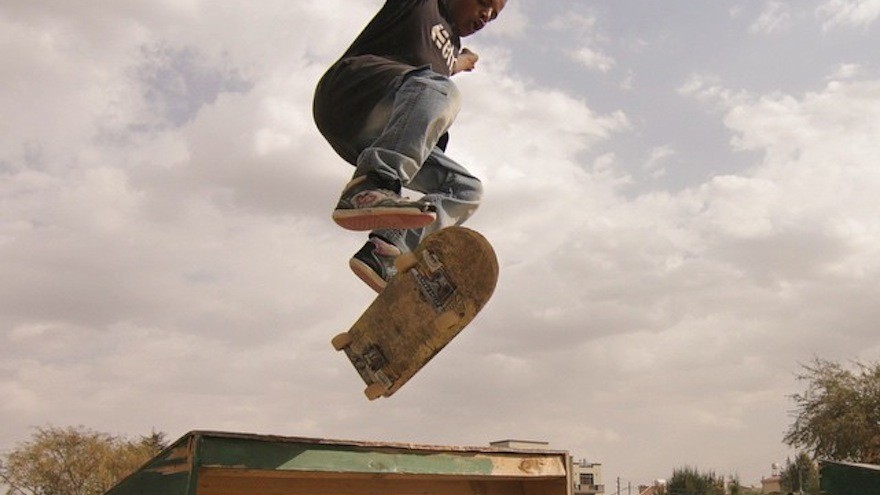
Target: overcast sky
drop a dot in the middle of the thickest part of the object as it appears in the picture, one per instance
(683, 197)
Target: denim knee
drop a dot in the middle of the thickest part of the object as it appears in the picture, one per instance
(468, 189)
(426, 79)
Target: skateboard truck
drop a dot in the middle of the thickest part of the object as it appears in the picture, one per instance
(368, 363)
(375, 361)
(374, 358)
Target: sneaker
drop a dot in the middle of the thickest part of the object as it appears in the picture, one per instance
(374, 263)
(363, 206)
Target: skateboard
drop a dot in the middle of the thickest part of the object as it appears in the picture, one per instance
(438, 290)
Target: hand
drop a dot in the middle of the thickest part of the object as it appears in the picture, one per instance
(466, 61)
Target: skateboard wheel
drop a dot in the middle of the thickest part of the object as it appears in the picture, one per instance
(374, 391)
(446, 320)
(341, 341)
(405, 261)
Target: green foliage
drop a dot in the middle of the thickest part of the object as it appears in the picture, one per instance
(74, 461)
(838, 416)
(801, 475)
(689, 481)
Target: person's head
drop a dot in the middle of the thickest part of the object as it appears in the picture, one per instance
(469, 16)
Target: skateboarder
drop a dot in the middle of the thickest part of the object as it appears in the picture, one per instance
(385, 107)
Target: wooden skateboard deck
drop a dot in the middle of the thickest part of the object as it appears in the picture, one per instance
(439, 288)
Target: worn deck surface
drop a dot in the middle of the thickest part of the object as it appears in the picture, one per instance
(398, 333)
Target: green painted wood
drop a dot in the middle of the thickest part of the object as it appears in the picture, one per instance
(279, 456)
(175, 471)
(169, 473)
(849, 479)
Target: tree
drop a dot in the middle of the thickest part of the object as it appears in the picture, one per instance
(74, 461)
(802, 475)
(689, 481)
(838, 416)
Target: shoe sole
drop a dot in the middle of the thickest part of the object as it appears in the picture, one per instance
(367, 219)
(367, 275)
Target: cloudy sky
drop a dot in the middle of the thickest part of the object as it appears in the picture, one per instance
(682, 195)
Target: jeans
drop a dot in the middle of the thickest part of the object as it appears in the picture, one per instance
(399, 143)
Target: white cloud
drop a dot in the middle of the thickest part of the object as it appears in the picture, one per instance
(774, 18)
(593, 59)
(655, 163)
(810, 195)
(527, 146)
(721, 275)
(584, 30)
(131, 179)
(858, 13)
(846, 71)
(707, 88)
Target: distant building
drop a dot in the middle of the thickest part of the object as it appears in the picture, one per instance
(520, 445)
(772, 484)
(587, 478)
(658, 488)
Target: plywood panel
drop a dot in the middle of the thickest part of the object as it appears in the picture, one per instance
(230, 482)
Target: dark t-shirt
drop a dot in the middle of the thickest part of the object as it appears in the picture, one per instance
(404, 35)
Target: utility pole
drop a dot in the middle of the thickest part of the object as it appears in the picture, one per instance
(800, 477)
(618, 485)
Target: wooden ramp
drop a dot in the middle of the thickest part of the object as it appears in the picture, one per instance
(846, 478)
(215, 463)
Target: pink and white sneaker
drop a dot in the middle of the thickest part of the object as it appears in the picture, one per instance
(365, 207)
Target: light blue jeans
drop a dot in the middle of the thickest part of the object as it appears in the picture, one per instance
(399, 143)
